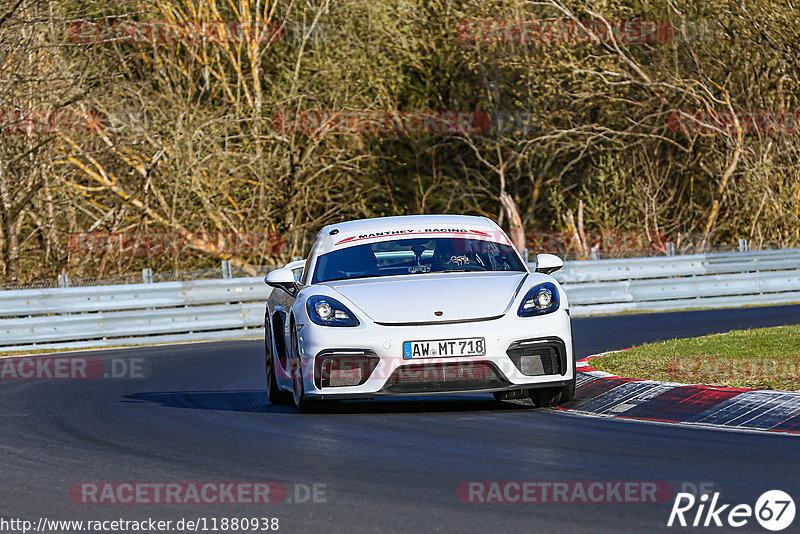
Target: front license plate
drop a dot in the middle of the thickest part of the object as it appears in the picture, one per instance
(444, 348)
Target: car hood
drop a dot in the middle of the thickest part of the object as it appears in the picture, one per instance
(417, 298)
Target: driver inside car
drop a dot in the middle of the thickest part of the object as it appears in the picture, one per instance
(446, 258)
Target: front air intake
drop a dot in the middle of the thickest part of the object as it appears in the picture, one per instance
(342, 368)
(539, 357)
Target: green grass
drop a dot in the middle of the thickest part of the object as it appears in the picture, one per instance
(764, 358)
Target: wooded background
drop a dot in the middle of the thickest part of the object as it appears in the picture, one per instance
(109, 125)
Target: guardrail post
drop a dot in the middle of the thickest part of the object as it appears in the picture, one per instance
(670, 248)
(226, 269)
(63, 280)
(743, 247)
(147, 276)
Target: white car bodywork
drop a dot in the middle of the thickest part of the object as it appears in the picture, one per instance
(522, 356)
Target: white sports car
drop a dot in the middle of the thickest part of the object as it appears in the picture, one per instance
(417, 305)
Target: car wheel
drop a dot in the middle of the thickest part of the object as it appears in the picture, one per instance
(516, 394)
(567, 392)
(303, 403)
(274, 394)
(543, 397)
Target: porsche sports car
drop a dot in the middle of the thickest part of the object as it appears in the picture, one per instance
(417, 305)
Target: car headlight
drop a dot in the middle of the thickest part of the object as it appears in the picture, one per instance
(541, 299)
(326, 311)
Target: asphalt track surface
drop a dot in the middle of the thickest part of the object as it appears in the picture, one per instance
(388, 466)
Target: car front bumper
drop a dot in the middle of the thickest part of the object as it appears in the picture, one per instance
(509, 339)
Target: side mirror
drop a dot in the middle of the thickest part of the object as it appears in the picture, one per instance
(548, 263)
(297, 268)
(282, 279)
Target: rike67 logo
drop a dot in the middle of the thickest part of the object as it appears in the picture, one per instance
(774, 510)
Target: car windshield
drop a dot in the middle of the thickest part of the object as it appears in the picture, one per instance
(416, 256)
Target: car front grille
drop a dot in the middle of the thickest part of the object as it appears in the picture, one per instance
(444, 377)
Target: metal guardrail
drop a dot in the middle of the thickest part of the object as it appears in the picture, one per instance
(716, 280)
(670, 266)
(165, 312)
(131, 323)
(170, 312)
(27, 302)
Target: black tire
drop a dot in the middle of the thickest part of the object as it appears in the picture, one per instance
(543, 397)
(298, 396)
(274, 394)
(515, 394)
(568, 391)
